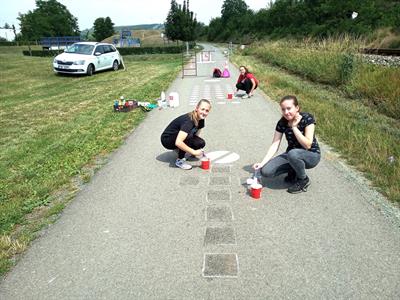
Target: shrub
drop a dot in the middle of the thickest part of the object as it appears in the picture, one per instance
(150, 50)
(41, 53)
(8, 43)
(123, 51)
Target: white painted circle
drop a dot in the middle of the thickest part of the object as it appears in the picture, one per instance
(222, 157)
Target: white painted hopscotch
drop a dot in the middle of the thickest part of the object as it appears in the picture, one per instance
(214, 90)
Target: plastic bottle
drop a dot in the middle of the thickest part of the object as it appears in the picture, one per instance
(255, 180)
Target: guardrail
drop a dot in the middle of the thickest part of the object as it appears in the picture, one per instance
(381, 51)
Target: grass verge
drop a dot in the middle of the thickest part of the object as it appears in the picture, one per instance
(54, 131)
(337, 63)
(367, 139)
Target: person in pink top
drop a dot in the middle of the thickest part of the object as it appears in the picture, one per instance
(246, 82)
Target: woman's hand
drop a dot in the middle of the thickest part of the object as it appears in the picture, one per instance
(198, 152)
(295, 121)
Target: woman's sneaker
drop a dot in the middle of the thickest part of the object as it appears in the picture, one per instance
(245, 96)
(181, 163)
(301, 185)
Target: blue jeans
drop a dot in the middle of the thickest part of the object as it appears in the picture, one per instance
(297, 160)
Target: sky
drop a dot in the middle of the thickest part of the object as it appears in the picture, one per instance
(121, 12)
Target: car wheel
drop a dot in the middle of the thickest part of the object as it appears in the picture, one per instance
(90, 70)
(115, 65)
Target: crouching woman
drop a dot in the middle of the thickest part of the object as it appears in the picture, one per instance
(303, 151)
(182, 134)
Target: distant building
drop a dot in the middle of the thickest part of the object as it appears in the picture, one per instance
(7, 34)
(125, 39)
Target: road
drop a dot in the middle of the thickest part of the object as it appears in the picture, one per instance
(143, 229)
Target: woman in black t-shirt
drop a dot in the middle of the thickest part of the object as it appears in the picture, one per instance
(303, 151)
(183, 133)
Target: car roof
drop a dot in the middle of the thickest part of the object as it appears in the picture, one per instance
(92, 43)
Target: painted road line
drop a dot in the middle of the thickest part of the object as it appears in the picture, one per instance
(220, 265)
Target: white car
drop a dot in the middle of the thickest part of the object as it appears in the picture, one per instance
(87, 58)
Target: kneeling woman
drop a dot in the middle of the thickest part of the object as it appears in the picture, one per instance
(303, 151)
(183, 133)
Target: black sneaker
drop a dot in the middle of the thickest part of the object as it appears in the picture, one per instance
(301, 185)
(290, 177)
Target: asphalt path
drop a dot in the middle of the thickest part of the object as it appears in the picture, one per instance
(143, 229)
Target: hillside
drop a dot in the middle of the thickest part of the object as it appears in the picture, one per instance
(147, 37)
(140, 27)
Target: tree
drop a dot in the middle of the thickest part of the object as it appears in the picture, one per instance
(215, 28)
(235, 22)
(103, 28)
(201, 31)
(50, 18)
(181, 23)
(15, 33)
(325, 17)
(233, 10)
(171, 24)
(189, 23)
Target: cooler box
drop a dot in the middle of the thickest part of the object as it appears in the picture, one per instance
(173, 99)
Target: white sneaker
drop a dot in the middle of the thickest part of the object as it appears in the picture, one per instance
(250, 181)
(245, 96)
(181, 163)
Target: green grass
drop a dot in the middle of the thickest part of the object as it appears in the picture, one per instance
(380, 84)
(309, 63)
(336, 62)
(363, 136)
(54, 129)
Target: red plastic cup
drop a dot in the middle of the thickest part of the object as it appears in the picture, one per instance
(205, 163)
(230, 96)
(255, 190)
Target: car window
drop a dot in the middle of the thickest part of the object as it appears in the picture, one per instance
(99, 49)
(106, 48)
(109, 48)
(80, 49)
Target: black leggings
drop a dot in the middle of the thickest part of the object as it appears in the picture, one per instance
(245, 86)
(193, 142)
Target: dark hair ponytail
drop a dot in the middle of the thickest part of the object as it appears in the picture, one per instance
(295, 102)
(290, 97)
(245, 69)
